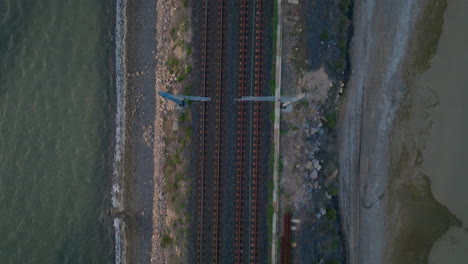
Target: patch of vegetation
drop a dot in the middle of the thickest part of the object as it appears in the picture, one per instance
(333, 190)
(324, 36)
(187, 88)
(188, 132)
(177, 159)
(280, 165)
(344, 6)
(188, 69)
(166, 241)
(331, 120)
(182, 77)
(183, 116)
(184, 26)
(173, 32)
(340, 65)
(170, 164)
(343, 46)
(188, 50)
(331, 215)
(172, 64)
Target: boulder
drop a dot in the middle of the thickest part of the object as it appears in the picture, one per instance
(315, 163)
(314, 175)
(323, 211)
(316, 185)
(333, 175)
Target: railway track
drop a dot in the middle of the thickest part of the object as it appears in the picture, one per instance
(241, 128)
(210, 168)
(255, 181)
(248, 154)
(248, 150)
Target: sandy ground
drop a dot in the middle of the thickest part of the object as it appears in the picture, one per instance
(381, 32)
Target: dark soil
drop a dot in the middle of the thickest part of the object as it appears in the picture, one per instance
(323, 42)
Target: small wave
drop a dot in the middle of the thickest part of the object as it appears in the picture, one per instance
(117, 199)
(119, 241)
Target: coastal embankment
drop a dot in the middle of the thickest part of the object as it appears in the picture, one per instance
(390, 214)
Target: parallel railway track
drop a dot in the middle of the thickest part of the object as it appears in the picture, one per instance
(248, 152)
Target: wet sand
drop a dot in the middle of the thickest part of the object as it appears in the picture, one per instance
(381, 30)
(390, 214)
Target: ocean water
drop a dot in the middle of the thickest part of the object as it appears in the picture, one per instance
(446, 156)
(57, 131)
(429, 144)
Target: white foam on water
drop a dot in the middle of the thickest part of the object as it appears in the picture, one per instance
(121, 101)
(119, 241)
(120, 82)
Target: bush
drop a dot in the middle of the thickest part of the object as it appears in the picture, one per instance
(334, 245)
(188, 49)
(324, 36)
(166, 241)
(340, 65)
(173, 33)
(331, 215)
(188, 69)
(333, 190)
(183, 116)
(331, 120)
(172, 63)
(181, 77)
(344, 6)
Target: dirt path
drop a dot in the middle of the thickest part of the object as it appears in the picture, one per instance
(276, 134)
(381, 31)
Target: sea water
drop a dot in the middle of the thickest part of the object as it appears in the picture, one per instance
(58, 106)
(446, 153)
